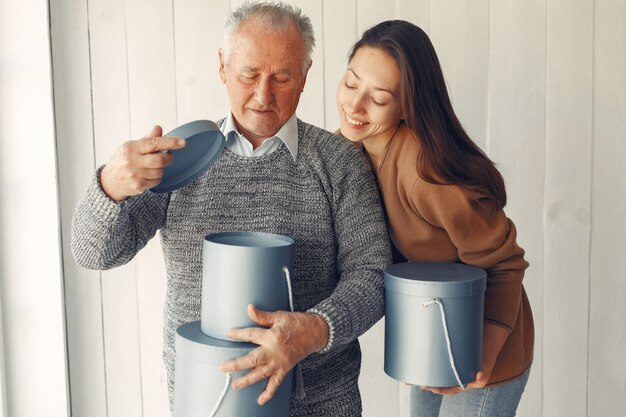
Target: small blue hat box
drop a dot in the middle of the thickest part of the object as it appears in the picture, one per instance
(434, 322)
(200, 383)
(241, 268)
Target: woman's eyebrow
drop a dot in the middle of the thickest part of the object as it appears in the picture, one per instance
(375, 88)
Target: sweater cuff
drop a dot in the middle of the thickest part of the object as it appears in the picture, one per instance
(331, 328)
(103, 208)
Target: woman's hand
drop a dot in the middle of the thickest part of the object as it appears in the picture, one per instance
(289, 338)
(482, 379)
(493, 340)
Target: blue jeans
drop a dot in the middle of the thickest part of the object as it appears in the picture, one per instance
(500, 401)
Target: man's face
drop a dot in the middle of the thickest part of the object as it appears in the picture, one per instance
(264, 78)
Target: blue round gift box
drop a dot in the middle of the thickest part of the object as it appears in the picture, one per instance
(241, 268)
(199, 381)
(416, 347)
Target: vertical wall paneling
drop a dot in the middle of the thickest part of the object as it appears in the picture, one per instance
(567, 206)
(109, 75)
(373, 382)
(151, 295)
(236, 3)
(607, 333)
(121, 341)
(516, 135)
(464, 56)
(311, 106)
(339, 34)
(404, 400)
(370, 12)
(152, 84)
(3, 381)
(151, 67)
(75, 155)
(198, 31)
(415, 11)
(31, 270)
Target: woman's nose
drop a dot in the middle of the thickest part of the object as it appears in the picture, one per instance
(356, 103)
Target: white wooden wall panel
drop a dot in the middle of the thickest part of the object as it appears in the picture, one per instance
(236, 3)
(151, 65)
(109, 77)
(567, 222)
(198, 32)
(464, 56)
(121, 341)
(417, 12)
(31, 271)
(311, 106)
(373, 382)
(516, 109)
(111, 125)
(3, 381)
(75, 153)
(152, 89)
(370, 12)
(607, 332)
(339, 34)
(520, 77)
(151, 296)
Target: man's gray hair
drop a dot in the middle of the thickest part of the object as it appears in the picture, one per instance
(275, 17)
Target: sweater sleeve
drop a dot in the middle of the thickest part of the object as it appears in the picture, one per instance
(484, 237)
(107, 234)
(357, 301)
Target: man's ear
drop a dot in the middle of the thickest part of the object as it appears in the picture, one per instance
(222, 65)
(305, 75)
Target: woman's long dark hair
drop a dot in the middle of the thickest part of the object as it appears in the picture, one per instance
(448, 155)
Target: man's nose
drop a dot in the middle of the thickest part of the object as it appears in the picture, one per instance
(263, 92)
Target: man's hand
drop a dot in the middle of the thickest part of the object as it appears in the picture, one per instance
(290, 338)
(138, 165)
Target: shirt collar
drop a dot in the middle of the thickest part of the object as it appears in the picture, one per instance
(288, 133)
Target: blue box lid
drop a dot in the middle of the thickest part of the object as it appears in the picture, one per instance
(193, 343)
(205, 144)
(435, 279)
(249, 239)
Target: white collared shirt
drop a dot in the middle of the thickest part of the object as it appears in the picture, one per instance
(238, 144)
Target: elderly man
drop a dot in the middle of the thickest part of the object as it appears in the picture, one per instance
(279, 175)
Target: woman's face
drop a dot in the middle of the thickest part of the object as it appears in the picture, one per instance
(368, 97)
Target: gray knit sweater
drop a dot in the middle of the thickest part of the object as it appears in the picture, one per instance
(325, 200)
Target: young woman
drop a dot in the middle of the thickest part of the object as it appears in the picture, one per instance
(444, 202)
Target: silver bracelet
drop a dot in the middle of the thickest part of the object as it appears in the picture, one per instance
(331, 329)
